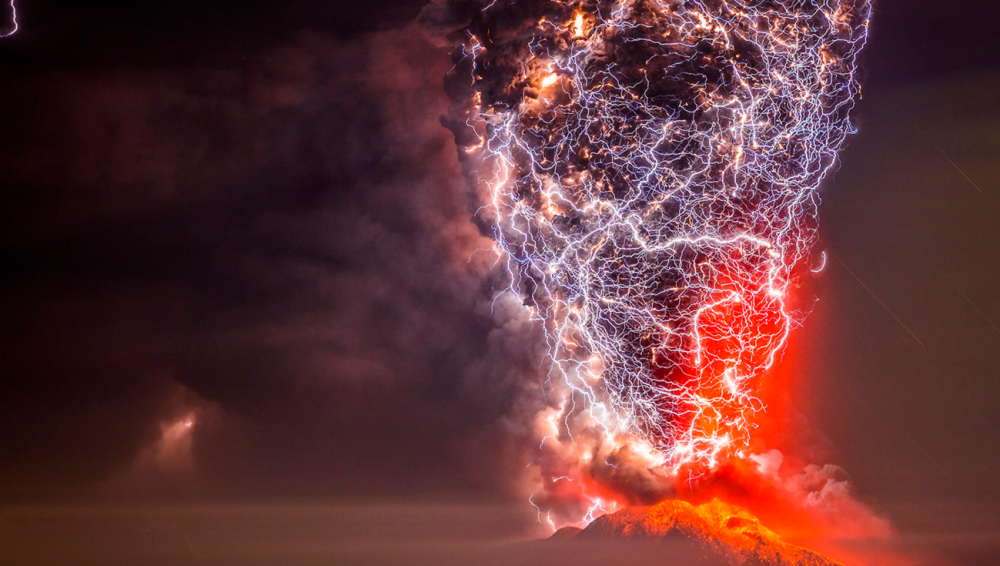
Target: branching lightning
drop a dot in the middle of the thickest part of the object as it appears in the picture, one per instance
(649, 171)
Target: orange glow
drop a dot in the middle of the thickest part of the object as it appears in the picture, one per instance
(578, 29)
(715, 520)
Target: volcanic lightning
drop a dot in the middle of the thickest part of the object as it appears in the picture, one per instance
(649, 170)
(13, 21)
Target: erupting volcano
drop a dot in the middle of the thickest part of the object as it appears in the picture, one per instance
(649, 171)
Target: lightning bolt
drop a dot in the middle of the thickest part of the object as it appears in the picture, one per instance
(13, 18)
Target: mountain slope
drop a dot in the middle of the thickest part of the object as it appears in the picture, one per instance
(722, 533)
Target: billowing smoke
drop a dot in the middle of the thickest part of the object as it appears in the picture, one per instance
(649, 170)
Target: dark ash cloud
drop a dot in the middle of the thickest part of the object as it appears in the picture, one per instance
(286, 242)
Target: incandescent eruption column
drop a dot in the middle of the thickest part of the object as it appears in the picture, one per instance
(649, 170)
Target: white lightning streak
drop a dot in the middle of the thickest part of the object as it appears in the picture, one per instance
(13, 17)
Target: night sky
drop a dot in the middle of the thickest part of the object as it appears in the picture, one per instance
(239, 268)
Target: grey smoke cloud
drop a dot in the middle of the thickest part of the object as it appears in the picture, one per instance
(286, 241)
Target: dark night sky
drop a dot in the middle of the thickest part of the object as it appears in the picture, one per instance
(247, 214)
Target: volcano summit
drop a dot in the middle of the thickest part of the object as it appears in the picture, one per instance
(714, 533)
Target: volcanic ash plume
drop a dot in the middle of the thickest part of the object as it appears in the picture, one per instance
(649, 172)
